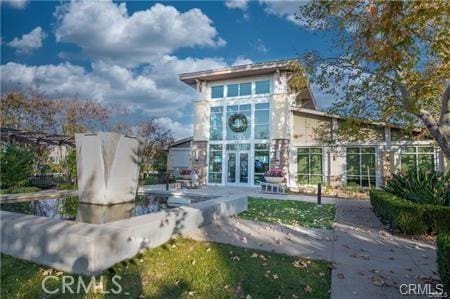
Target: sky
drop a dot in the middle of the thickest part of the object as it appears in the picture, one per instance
(130, 53)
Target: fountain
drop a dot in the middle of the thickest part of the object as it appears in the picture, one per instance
(107, 168)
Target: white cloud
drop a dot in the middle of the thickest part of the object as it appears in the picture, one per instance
(179, 130)
(237, 4)
(28, 42)
(150, 91)
(105, 31)
(241, 61)
(284, 9)
(17, 4)
(259, 46)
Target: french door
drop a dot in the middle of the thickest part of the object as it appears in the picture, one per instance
(238, 167)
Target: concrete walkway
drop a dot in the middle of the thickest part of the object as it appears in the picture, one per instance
(368, 262)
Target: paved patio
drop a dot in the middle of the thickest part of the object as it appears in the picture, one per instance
(368, 262)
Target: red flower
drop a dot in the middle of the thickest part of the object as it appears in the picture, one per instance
(274, 172)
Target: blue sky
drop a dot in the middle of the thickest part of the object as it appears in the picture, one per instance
(130, 53)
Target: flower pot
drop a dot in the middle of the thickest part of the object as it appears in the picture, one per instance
(274, 180)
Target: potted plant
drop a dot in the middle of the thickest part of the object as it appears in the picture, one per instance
(185, 174)
(274, 175)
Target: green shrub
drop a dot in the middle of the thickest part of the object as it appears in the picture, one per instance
(16, 164)
(408, 217)
(67, 186)
(422, 186)
(443, 259)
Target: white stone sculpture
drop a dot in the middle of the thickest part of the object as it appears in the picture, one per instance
(107, 167)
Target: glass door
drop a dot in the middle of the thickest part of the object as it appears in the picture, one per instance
(231, 167)
(243, 167)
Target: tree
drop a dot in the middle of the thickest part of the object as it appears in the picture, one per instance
(35, 112)
(393, 63)
(16, 165)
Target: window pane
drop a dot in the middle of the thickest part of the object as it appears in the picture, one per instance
(231, 147)
(262, 117)
(245, 89)
(303, 164)
(408, 162)
(262, 87)
(262, 106)
(303, 150)
(352, 150)
(425, 149)
(409, 149)
(316, 164)
(234, 108)
(315, 179)
(353, 164)
(232, 90)
(245, 107)
(217, 92)
(368, 150)
(368, 161)
(261, 163)
(261, 146)
(426, 162)
(316, 150)
(302, 179)
(262, 132)
(244, 147)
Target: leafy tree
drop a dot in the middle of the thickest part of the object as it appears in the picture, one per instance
(393, 62)
(16, 165)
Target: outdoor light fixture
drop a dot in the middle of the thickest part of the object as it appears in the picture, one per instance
(277, 155)
(196, 155)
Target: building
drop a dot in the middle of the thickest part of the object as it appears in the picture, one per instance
(246, 121)
(179, 156)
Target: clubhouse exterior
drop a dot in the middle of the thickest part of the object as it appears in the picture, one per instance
(246, 121)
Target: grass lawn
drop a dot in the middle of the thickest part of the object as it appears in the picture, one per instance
(290, 212)
(186, 268)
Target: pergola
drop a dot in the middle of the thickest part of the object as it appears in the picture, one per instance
(10, 135)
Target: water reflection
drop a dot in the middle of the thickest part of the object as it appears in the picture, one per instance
(70, 209)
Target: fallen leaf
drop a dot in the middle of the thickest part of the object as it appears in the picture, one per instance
(341, 275)
(308, 289)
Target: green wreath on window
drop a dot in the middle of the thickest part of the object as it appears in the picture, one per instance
(238, 123)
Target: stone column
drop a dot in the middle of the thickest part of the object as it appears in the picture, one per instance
(279, 155)
(199, 159)
(107, 167)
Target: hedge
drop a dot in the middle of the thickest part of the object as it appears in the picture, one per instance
(408, 217)
(443, 258)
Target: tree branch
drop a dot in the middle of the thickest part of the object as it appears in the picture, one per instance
(445, 108)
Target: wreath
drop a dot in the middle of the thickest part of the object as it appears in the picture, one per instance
(238, 123)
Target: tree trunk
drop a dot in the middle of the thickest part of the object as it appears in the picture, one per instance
(440, 131)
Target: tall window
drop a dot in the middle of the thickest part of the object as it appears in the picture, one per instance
(309, 166)
(361, 166)
(215, 164)
(262, 121)
(261, 161)
(216, 123)
(217, 92)
(245, 89)
(246, 111)
(417, 157)
(262, 87)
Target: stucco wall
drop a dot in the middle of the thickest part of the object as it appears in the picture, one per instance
(279, 116)
(310, 129)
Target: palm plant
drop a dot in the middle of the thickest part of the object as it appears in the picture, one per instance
(421, 186)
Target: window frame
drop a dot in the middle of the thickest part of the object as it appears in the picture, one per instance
(309, 175)
(362, 174)
(263, 81)
(218, 86)
(417, 153)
